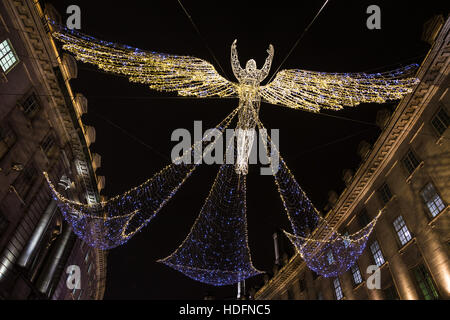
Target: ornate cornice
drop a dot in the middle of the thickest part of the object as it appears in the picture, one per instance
(31, 19)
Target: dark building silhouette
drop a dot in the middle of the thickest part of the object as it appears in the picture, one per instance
(41, 130)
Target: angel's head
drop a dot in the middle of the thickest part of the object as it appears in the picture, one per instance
(251, 65)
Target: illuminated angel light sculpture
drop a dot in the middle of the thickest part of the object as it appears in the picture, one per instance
(216, 250)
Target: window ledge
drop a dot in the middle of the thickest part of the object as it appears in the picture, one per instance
(359, 285)
(440, 140)
(386, 263)
(407, 245)
(394, 197)
(3, 78)
(435, 219)
(420, 166)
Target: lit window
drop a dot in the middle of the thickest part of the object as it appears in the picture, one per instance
(7, 139)
(30, 106)
(8, 58)
(432, 200)
(410, 162)
(356, 275)
(377, 254)
(425, 282)
(403, 234)
(441, 121)
(338, 289)
(385, 193)
(330, 258)
(346, 240)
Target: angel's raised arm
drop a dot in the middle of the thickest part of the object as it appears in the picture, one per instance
(235, 65)
(188, 76)
(267, 65)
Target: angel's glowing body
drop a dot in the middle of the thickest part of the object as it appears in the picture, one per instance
(249, 79)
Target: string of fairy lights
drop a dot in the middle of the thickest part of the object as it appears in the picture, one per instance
(216, 249)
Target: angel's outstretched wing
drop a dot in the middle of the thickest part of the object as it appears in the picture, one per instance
(300, 89)
(189, 76)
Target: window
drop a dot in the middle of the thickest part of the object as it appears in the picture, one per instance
(3, 224)
(25, 181)
(30, 106)
(290, 295)
(302, 284)
(346, 239)
(432, 200)
(356, 275)
(7, 140)
(376, 253)
(338, 289)
(425, 283)
(441, 121)
(390, 293)
(330, 258)
(403, 234)
(410, 162)
(48, 145)
(385, 193)
(8, 58)
(363, 218)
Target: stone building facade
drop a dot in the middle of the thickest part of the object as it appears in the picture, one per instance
(41, 130)
(406, 175)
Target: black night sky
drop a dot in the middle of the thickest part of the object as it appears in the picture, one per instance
(317, 147)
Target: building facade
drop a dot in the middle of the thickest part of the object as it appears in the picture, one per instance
(41, 131)
(406, 176)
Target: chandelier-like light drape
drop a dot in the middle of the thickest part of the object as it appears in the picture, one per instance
(216, 250)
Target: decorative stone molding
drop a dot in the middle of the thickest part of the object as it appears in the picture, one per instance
(364, 149)
(70, 64)
(81, 104)
(96, 161)
(101, 182)
(90, 135)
